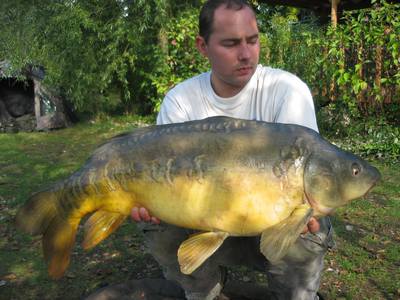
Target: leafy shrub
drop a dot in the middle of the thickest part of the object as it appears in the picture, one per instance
(364, 53)
(368, 137)
(105, 58)
(178, 59)
(355, 64)
(293, 46)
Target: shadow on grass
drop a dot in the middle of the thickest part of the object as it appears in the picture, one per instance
(118, 259)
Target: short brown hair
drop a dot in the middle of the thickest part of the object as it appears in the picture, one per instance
(206, 18)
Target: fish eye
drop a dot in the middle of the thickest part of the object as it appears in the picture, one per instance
(355, 169)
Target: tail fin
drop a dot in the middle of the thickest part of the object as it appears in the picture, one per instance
(57, 243)
(35, 216)
(40, 216)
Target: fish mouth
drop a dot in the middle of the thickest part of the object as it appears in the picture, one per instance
(369, 190)
(319, 210)
(372, 186)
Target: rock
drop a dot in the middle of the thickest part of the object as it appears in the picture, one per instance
(26, 123)
(144, 289)
(238, 290)
(349, 227)
(162, 289)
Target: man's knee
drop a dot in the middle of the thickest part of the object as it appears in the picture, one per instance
(312, 246)
(298, 274)
(163, 243)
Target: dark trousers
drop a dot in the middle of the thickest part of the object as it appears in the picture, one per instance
(296, 276)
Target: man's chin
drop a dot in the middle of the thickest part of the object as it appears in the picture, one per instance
(243, 79)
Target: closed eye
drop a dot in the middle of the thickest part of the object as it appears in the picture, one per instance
(230, 43)
(253, 40)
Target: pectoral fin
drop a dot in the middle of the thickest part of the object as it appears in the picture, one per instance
(276, 240)
(195, 250)
(99, 226)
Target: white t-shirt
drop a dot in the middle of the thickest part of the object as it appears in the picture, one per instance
(271, 95)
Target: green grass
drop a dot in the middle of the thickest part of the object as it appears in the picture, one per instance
(32, 161)
(366, 261)
(364, 265)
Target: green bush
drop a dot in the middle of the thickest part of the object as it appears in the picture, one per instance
(104, 58)
(363, 59)
(178, 59)
(380, 141)
(368, 137)
(355, 65)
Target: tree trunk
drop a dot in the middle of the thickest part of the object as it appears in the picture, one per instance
(334, 12)
(334, 20)
(361, 94)
(375, 101)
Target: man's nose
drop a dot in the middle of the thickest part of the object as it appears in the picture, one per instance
(244, 51)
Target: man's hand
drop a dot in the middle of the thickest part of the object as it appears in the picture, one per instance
(142, 215)
(312, 226)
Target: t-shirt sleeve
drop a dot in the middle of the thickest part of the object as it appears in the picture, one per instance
(295, 103)
(171, 111)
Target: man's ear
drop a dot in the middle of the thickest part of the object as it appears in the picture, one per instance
(201, 45)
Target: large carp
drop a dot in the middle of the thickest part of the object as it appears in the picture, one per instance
(221, 176)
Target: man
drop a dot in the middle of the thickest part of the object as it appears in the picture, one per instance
(238, 87)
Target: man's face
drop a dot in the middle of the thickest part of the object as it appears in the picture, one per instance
(233, 49)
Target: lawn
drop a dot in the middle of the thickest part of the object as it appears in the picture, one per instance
(364, 265)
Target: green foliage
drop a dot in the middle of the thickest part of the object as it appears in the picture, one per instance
(287, 44)
(19, 40)
(367, 137)
(365, 47)
(88, 48)
(380, 140)
(355, 64)
(104, 58)
(178, 57)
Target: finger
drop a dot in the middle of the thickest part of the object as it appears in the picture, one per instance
(313, 225)
(144, 214)
(155, 220)
(135, 214)
(305, 230)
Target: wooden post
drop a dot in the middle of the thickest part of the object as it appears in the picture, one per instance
(36, 88)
